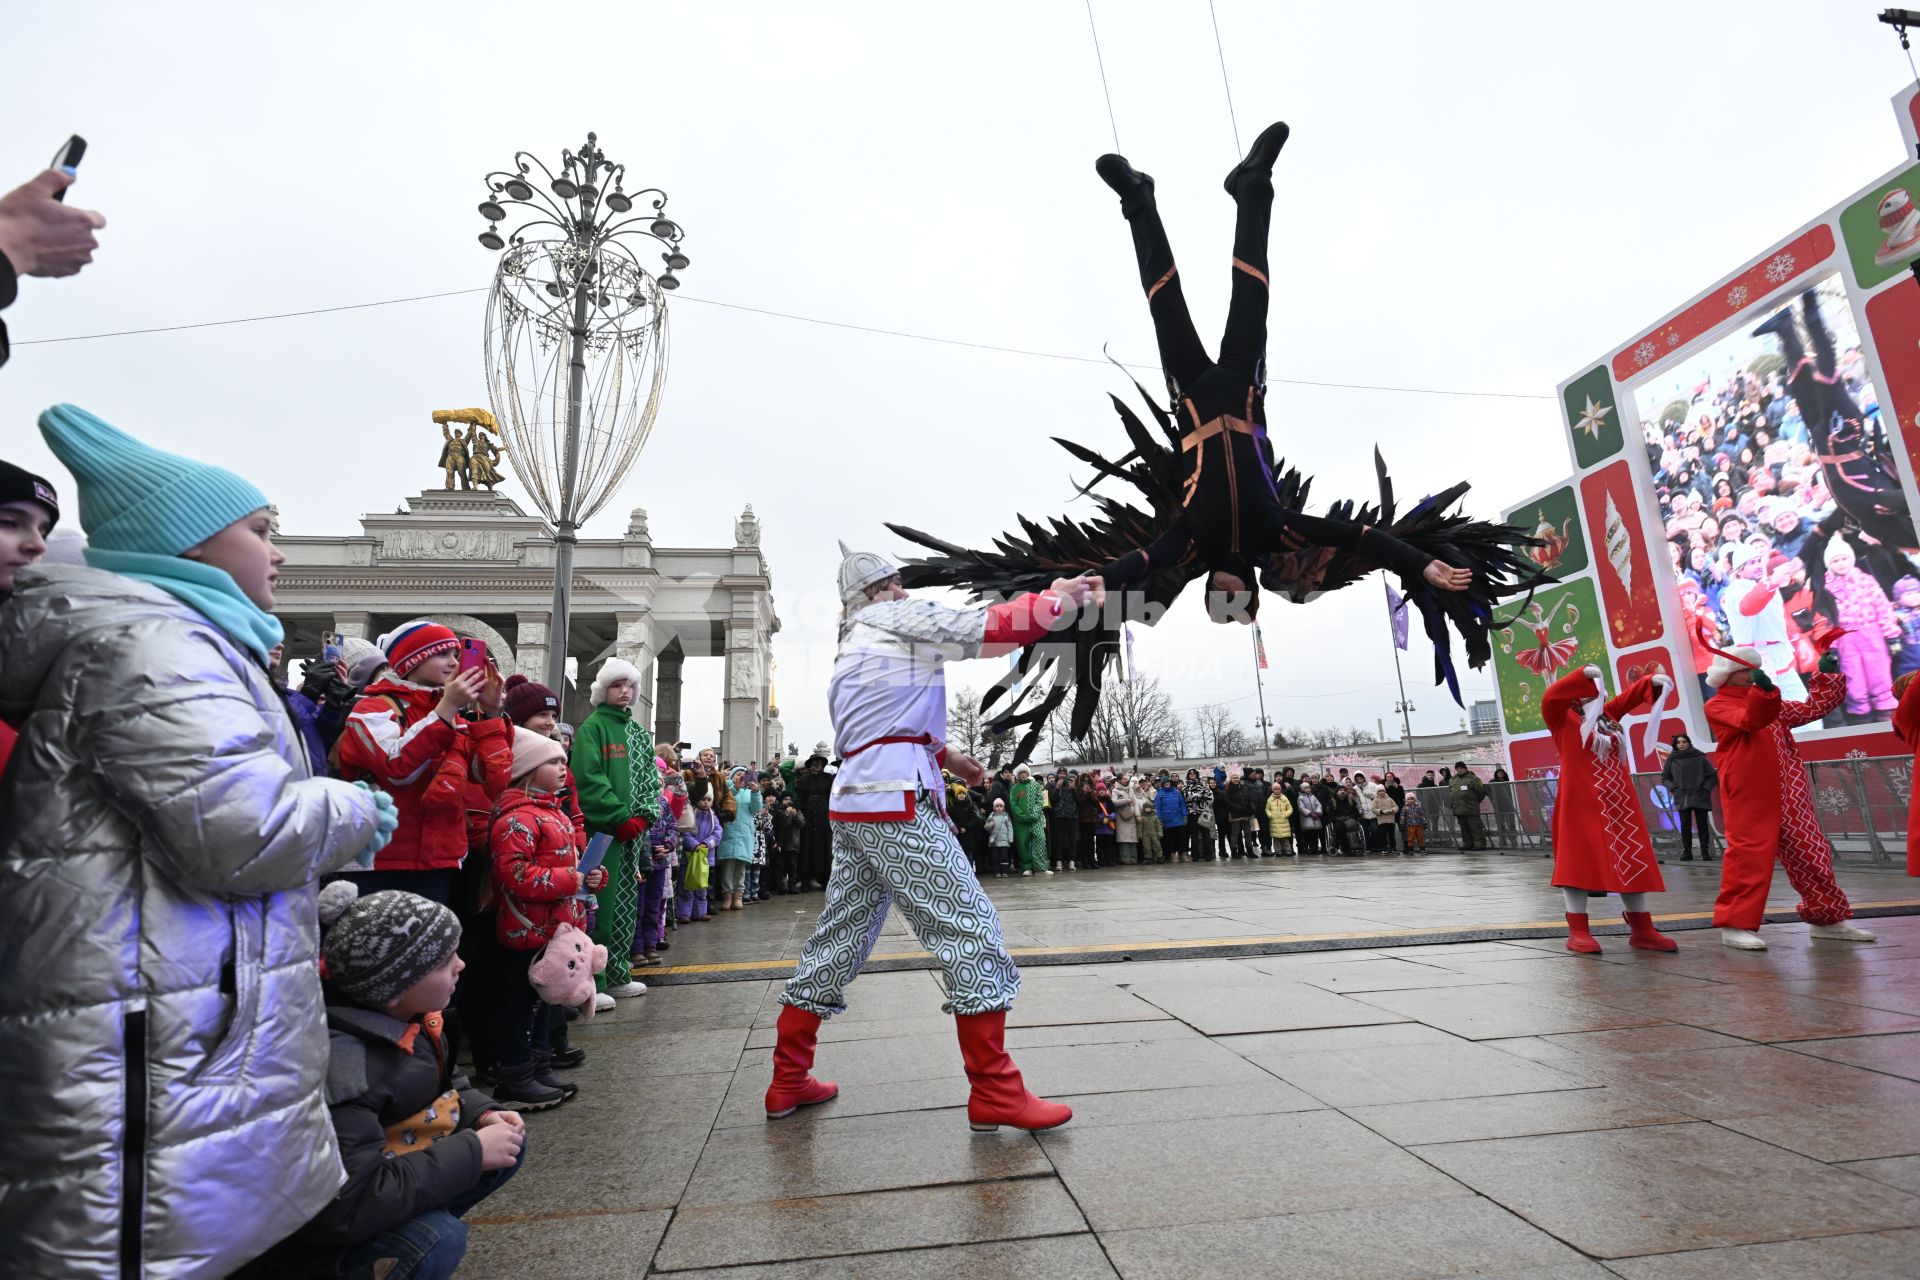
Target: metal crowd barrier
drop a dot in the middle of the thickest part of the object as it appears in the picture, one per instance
(1861, 805)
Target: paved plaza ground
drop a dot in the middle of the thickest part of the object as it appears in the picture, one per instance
(1263, 1099)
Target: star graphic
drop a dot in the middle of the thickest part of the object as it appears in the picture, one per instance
(1594, 418)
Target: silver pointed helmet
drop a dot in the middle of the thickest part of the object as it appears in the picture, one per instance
(860, 570)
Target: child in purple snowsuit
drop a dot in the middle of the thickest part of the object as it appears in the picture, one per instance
(697, 847)
(662, 839)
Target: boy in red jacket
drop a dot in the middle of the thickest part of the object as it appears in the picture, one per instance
(407, 737)
(1763, 785)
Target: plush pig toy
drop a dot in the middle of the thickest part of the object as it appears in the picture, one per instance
(563, 973)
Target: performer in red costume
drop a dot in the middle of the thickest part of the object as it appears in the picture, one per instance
(1763, 785)
(1906, 723)
(1600, 841)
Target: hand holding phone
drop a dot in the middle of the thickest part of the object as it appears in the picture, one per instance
(67, 160)
(37, 235)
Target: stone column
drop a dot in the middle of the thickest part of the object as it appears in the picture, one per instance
(666, 699)
(530, 643)
(742, 718)
(353, 624)
(633, 642)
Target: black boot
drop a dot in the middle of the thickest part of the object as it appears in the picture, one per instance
(1259, 159)
(570, 1058)
(527, 1093)
(543, 1075)
(1780, 325)
(1134, 188)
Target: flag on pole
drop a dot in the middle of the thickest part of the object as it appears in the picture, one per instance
(1132, 669)
(1397, 615)
(1259, 648)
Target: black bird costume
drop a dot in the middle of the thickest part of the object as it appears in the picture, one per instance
(1220, 501)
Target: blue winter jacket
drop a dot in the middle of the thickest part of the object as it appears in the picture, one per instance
(1171, 807)
(737, 843)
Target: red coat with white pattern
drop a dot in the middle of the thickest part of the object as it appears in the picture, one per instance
(1600, 840)
(536, 869)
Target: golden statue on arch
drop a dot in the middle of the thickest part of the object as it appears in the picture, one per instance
(474, 458)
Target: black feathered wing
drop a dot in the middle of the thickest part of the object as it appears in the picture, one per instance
(1030, 560)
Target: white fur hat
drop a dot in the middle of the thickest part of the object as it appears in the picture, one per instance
(1838, 547)
(1740, 658)
(611, 670)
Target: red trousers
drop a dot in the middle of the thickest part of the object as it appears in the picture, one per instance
(1746, 870)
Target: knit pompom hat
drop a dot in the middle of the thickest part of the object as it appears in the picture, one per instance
(374, 948)
(525, 698)
(611, 670)
(412, 643)
(531, 750)
(363, 658)
(133, 497)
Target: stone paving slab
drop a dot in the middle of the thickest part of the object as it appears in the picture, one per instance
(1488, 1108)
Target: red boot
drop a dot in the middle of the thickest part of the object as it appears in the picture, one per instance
(792, 1086)
(999, 1095)
(1578, 937)
(1644, 935)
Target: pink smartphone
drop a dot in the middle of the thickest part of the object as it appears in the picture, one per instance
(473, 655)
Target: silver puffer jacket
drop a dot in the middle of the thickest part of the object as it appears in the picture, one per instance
(163, 1045)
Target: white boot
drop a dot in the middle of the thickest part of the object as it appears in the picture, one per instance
(602, 1002)
(1841, 932)
(1743, 940)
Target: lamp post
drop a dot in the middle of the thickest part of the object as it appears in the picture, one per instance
(576, 339)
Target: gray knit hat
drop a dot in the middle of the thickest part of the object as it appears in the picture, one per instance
(374, 948)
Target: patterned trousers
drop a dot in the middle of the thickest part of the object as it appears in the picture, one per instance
(920, 865)
(619, 913)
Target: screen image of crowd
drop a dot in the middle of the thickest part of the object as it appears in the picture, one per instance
(1781, 503)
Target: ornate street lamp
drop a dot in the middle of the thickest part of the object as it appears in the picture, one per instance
(576, 344)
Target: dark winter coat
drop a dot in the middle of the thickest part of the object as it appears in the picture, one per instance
(404, 1116)
(1690, 777)
(813, 792)
(1465, 792)
(1239, 797)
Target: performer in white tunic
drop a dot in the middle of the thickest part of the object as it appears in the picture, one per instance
(891, 838)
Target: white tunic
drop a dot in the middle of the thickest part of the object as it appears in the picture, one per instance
(889, 681)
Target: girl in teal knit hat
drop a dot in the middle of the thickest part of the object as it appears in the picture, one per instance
(165, 835)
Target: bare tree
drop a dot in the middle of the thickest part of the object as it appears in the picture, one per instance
(966, 731)
(1217, 733)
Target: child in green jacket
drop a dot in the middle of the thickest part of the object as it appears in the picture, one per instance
(618, 785)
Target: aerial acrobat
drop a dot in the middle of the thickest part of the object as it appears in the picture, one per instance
(1220, 505)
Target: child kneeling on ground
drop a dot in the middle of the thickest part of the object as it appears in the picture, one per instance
(419, 1146)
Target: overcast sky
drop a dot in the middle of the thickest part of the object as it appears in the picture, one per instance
(1476, 197)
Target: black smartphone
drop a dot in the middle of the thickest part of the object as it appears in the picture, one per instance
(68, 157)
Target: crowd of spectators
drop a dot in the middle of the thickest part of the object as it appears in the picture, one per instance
(1024, 824)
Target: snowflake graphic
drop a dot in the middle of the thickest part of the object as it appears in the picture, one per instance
(1673, 338)
(1831, 800)
(1856, 754)
(1900, 779)
(1779, 267)
(1737, 297)
(1644, 353)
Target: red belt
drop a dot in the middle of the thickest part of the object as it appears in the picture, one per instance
(918, 739)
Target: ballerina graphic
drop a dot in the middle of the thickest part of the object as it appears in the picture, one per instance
(1547, 657)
